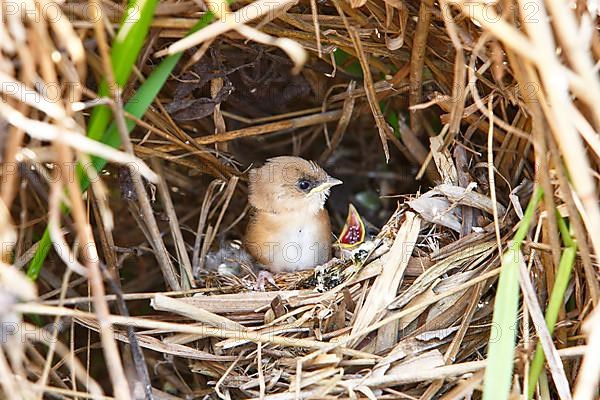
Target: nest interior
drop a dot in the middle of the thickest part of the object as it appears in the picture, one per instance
(445, 120)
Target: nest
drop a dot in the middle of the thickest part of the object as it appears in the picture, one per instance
(466, 132)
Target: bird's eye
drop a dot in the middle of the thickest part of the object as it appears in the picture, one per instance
(303, 184)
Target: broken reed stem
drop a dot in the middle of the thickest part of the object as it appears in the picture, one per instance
(417, 61)
(295, 123)
(187, 278)
(382, 126)
(492, 172)
(160, 251)
(137, 354)
(52, 347)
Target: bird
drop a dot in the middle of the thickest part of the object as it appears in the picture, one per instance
(289, 228)
(356, 236)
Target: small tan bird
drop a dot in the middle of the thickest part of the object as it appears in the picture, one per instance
(289, 228)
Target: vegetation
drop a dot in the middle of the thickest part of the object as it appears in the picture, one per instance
(466, 133)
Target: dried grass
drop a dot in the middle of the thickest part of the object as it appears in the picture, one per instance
(484, 102)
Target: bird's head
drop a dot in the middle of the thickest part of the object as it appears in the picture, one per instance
(287, 183)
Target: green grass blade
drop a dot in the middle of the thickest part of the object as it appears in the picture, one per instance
(35, 266)
(124, 51)
(501, 347)
(348, 63)
(563, 275)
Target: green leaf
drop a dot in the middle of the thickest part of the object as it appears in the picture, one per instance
(563, 275)
(501, 347)
(347, 63)
(124, 52)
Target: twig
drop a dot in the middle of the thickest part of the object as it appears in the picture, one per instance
(187, 279)
(160, 251)
(491, 174)
(417, 62)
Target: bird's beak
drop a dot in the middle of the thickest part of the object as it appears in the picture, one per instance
(325, 185)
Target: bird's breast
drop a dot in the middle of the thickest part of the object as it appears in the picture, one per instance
(290, 242)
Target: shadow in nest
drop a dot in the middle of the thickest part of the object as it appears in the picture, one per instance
(272, 112)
